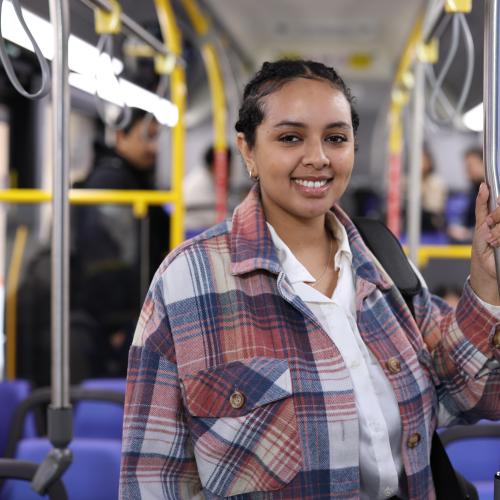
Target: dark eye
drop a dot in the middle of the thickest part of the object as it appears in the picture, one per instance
(336, 138)
(289, 138)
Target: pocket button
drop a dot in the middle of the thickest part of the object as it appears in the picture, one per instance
(237, 400)
(496, 340)
(393, 365)
(413, 440)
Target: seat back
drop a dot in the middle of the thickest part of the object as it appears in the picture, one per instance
(99, 419)
(12, 393)
(25, 471)
(474, 451)
(42, 396)
(93, 474)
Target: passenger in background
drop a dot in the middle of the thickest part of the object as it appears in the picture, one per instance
(113, 248)
(463, 232)
(199, 193)
(434, 193)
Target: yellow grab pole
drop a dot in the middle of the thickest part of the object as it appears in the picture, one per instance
(216, 82)
(399, 100)
(11, 303)
(172, 37)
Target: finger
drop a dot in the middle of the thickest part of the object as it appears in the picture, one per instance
(482, 211)
(494, 216)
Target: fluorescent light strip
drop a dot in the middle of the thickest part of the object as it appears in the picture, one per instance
(82, 61)
(135, 96)
(473, 119)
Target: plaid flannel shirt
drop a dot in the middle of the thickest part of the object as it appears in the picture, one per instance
(235, 390)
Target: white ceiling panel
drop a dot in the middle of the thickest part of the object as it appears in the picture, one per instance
(363, 38)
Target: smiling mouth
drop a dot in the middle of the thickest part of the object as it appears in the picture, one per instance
(312, 184)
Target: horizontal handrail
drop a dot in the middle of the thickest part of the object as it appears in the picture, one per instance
(427, 252)
(139, 199)
(131, 26)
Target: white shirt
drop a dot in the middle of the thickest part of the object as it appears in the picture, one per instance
(380, 459)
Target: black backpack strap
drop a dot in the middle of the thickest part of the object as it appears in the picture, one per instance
(388, 250)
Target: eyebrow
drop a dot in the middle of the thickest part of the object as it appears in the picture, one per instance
(288, 123)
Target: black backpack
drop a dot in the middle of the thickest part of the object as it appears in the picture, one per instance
(448, 483)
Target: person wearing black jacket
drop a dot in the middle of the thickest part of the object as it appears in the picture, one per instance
(116, 253)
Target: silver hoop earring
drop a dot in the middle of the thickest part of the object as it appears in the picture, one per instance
(253, 177)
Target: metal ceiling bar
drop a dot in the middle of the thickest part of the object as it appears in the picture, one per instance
(491, 110)
(131, 26)
(433, 17)
(220, 27)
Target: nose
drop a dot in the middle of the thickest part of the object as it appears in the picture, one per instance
(153, 147)
(315, 155)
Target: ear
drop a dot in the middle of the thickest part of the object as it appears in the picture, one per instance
(246, 152)
(119, 135)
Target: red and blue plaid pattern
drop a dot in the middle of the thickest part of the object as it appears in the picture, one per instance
(221, 317)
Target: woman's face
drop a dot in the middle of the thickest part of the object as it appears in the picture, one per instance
(304, 150)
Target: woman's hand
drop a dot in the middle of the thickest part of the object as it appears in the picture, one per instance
(483, 278)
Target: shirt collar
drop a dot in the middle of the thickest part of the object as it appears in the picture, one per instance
(252, 247)
(293, 268)
(251, 243)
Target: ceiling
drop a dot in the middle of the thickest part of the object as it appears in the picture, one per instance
(363, 39)
(340, 32)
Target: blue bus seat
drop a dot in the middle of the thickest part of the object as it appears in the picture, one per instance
(474, 451)
(99, 419)
(12, 392)
(94, 473)
(456, 205)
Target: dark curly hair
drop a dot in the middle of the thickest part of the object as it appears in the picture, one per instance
(271, 77)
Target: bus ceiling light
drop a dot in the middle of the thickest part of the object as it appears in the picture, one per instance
(82, 58)
(473, 119)
(164, 111)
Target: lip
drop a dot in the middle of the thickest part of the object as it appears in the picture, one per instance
(310, 178)
(313, 191)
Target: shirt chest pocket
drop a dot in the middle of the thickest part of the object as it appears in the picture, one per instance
(243, 426)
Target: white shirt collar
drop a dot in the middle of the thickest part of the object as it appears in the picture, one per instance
(293, 268)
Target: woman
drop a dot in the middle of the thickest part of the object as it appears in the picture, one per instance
(273, 358)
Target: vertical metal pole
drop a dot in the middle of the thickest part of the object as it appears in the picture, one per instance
(491, 111)
(59, 12)
(59, 412)
(414, 187)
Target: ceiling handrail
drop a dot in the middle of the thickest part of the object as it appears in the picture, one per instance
(131, 26)
(105, 46)
(9, 69)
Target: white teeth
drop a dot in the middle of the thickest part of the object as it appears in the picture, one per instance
(310, 184)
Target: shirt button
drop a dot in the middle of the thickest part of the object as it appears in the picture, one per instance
(496, 340)
(393, 365)
(355, 364)
(237, 400)
(413, 440)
